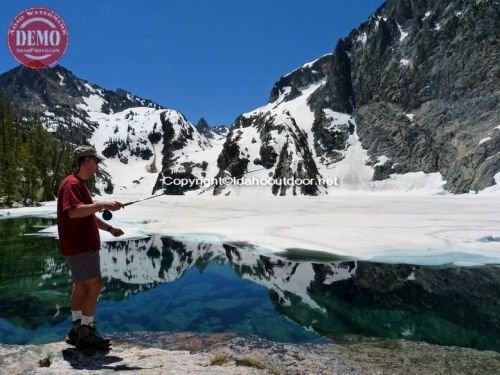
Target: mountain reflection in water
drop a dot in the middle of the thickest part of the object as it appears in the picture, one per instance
(162, 283)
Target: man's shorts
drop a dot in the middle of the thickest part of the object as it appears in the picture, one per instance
(85, 266)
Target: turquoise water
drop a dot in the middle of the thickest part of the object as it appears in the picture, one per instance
(170, 284)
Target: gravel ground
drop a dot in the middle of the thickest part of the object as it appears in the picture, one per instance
(189, 353)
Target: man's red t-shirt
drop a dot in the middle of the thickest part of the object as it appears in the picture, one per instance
(77, 235)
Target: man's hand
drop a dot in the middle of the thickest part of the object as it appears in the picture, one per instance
(111, 206)
(116, 232)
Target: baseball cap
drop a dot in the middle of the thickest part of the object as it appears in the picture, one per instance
(81, 151)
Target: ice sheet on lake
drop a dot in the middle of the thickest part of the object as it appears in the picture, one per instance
(402, 228)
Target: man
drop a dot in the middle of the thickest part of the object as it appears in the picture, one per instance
(80, 243)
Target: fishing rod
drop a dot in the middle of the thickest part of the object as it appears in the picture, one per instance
(107, 215)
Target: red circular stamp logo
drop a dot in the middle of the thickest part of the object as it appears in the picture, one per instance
(38, 37)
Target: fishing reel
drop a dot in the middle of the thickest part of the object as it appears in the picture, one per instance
(107, 215)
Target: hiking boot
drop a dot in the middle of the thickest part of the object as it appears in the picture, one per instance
(88, 337)
(72, 336)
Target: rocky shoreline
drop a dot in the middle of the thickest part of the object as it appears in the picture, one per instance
(19, 203)
(193, 353)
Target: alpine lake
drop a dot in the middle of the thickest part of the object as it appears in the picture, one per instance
(178, 284)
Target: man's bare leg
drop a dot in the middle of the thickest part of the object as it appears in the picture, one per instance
(93, 288)
(78, 296)
(87, 335)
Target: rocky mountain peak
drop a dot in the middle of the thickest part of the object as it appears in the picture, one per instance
(56, 88)
(307, 74)
(202, 125)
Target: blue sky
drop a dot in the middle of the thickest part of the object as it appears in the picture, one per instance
(210, 58)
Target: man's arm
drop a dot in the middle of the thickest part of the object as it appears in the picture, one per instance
(108, 228)
(85, 210)
(103, 225)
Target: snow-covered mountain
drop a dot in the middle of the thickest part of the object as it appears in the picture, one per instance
(140, 142)
(139, 137)
(409, 100)
(293, 137)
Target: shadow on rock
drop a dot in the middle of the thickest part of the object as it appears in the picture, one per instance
(91, 359)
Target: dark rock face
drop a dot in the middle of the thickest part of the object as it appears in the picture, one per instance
(444, 71)
(172, 143)
(38, 90)
(231, 161)
(33, 90)
(329, 140)
(267, 153)
(337, 93)
(203, 127)
(300, 78)
(392, 133)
